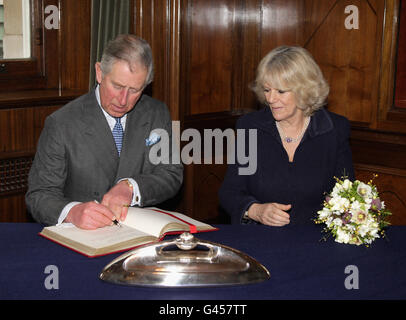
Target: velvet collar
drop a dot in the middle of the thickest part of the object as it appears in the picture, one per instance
(320, 123)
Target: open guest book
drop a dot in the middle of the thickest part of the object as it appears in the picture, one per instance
(142, 226)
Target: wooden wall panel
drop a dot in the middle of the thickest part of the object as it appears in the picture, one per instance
(279, 24)
(390, 118)
(400, 93)
(212, 46)
(20, 129)
(221, 46)
(74, 38)
(390, 184)
(206, 181)
(13, 209)
(158, 22)
(225, 40)
(347, 57)
(249, 49)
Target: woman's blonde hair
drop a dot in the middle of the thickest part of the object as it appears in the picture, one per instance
(292, 69)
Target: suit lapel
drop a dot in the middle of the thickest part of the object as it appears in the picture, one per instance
(97, 135)
(133, 151)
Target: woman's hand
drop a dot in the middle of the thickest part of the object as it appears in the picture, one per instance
(271, 214)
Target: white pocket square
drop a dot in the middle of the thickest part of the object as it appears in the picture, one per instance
(153, 138)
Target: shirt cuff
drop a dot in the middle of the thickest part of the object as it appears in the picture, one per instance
(65, 211)
(136, 200)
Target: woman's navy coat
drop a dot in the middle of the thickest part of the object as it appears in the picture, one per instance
(323, 153)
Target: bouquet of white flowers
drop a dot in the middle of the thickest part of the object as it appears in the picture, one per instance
(353, 212)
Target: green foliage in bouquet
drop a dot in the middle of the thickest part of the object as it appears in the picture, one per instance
(354, 213)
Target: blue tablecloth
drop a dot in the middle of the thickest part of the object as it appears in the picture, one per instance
(301, 267)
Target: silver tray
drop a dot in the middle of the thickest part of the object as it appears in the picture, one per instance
(184, 262)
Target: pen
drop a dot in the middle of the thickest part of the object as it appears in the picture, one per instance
(118, 224)
(115, 221)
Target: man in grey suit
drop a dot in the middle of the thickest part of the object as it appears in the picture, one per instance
(92, 159)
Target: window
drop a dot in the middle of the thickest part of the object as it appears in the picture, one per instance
(26, 45)
(15, 29)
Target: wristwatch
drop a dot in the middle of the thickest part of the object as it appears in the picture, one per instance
(245, 216)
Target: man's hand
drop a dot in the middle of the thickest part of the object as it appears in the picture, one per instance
(90, 215)
(272, 214)
(118, 199)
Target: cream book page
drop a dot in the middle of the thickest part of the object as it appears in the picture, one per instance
(98, 238)
(153, 220)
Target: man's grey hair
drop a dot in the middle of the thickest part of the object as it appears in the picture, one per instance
(131, 49)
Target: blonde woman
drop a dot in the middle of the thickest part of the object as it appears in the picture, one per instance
(301, 146)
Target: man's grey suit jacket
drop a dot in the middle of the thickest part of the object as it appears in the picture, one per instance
(77, 159)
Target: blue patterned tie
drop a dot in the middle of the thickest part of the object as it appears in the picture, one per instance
(118, 134)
